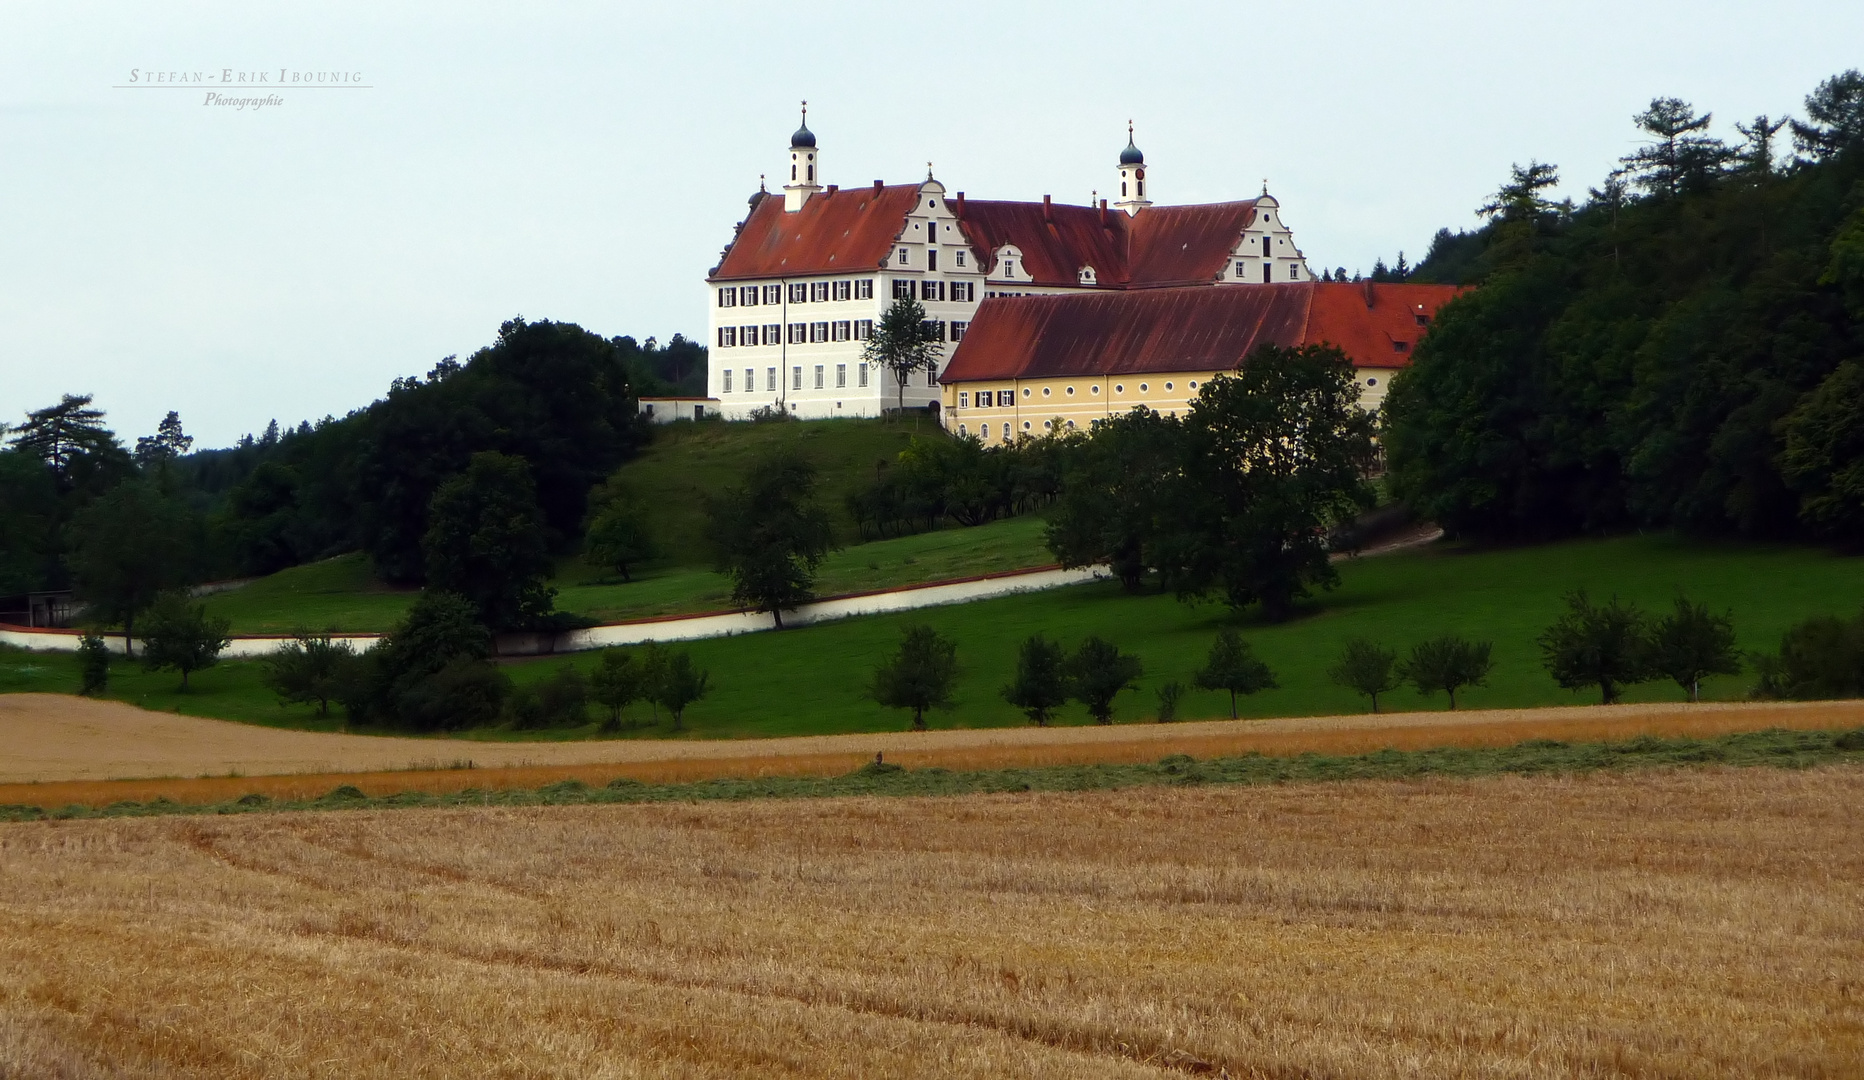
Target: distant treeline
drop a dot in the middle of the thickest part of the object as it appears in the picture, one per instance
(555, 396)
(1680, 350)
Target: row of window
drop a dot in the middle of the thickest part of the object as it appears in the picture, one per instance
(983, 430)
(801, 292)
(796, 378)
(960, 291)
(1268, 271)
(904, 255)
(839, 330)
(1004, 399)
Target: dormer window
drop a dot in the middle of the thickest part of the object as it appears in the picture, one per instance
(1087, 275)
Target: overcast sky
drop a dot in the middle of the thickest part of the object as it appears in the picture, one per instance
(586, 162)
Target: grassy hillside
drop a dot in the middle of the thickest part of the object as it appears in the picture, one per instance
(812, 679)
(342, 594)
(688, 461)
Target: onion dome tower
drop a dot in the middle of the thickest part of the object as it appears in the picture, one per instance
(805, 168)
(1132, 177)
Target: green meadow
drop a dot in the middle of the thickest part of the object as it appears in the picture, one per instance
(812, 680)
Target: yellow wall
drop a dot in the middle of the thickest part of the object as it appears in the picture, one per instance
(1078, 402)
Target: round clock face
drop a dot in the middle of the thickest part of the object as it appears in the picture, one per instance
(1142, 174)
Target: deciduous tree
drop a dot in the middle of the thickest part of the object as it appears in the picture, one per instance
(1365, 668)
(1692, 643)
(486, 541)
(679, 684)
(1448, 663)
(1097, 672)
(180, 636)
(1232, 665)
(615, 684)
(919, 676)
(770, 535)
(903, 342)
(1041, 683)
(311, 669)
(128, 551)
(1606, 646)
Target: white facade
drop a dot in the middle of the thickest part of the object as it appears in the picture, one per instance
(794, 344)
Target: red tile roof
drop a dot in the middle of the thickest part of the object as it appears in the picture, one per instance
(1053, 250)
(1209, 328)
(1162, 245)
(1185, 245)
(851, 230)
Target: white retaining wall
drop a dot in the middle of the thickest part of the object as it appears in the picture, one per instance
(672, 628)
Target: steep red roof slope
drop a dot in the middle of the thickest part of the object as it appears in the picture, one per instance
(1185, 245)
(1207, 328)
(1053, 250)
(835, 230)
(1125, 332)
(1379, 333)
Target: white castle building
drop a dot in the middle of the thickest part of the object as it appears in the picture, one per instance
(798, 290)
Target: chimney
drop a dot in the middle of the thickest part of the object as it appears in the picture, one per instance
(877, 186)
(961, 204)
(1368, 292)
(1105, 221)
(833, 188)
(1048, 214)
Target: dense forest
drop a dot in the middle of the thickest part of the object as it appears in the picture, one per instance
(1682, 349)
(555, 397)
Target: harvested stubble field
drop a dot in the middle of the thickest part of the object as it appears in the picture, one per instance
(1698, 922)
(61, 750)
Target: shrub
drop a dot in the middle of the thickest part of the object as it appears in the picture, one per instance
(466, 693)
(312, 668)
(558, 701)
(1168, 696)
(93, 665)
(1822, 657)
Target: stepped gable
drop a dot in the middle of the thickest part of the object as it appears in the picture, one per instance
(1370, 322)
(1054, 250)
(835, 231)
(1191, 328)
(1184, 245)
(1126, 332)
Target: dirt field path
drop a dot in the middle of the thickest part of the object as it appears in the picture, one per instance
(50, 739)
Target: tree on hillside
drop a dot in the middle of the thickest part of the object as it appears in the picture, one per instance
(1692, 643)
(1365, 668)
(1836, 114)
(128, 549)
(1277, 455)
(28, 526)
(1678, 157)
(167, 444)
(770, 535)
(179, 636)
(486, 541)
(919, 676)
(68, 436)
(1823, 459)
(1232, 666)
(310, 669)
(903, 342)
(1448, 663)
(1097, 672)
(679, 684)
(432, 672)
(1123, 490)
(618, 536)
(553, 394)
(1605, 646)
(1819, 658)
(1041, 683)
(615, 684)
